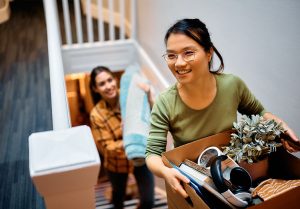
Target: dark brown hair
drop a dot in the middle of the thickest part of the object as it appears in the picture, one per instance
(196, 30)
(96, 96)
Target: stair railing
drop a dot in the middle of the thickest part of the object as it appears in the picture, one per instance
(60, 108)
(77, 56)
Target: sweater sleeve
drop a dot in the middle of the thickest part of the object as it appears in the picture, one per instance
(248, 105)
(157, 139)
(104, 138)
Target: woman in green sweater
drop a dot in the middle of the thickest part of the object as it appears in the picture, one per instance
(203, 101)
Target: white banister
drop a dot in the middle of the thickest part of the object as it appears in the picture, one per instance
(67, 21)
(100, 21)
(111, 20)
(133, 18)
(145, 60)
(78, 21)
(89, 22)
(60, 109)
(122, 17)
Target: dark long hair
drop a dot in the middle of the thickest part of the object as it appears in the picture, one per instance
(196, 30)
(96, 96)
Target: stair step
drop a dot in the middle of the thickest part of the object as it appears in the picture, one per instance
(103, 203)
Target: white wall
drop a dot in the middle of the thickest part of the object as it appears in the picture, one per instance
(259, 41)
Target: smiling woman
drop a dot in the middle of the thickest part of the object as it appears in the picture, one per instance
(80, 98)
(106, 126)
(104, 86)
(203, 101)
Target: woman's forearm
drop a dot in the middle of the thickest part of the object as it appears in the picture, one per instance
(156, 165)
(269, 116)
(171, 175)
(285, 126)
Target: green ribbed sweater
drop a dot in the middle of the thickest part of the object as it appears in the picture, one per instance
(170, 113)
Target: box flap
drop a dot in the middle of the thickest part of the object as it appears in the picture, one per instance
(193, 150)
(288, 200)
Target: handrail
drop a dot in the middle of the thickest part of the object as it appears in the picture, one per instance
(59, 103)
(145, 59)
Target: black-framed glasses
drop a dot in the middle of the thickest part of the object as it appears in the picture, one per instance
(187, 56)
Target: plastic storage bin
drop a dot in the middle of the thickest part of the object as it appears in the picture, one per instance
(64, 167)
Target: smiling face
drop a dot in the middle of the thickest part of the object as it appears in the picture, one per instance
(106, 86)
(187, 71)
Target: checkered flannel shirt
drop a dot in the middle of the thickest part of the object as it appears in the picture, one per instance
(107, 131)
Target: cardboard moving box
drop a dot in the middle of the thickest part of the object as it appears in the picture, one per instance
(282, 165)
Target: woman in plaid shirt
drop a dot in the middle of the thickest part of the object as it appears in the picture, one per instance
(106, 125)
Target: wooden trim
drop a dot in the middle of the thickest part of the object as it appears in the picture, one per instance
(4, 11)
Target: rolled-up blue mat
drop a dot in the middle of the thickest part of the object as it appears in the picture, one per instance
(135, 111)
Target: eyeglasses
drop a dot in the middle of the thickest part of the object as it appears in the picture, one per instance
(187, 56)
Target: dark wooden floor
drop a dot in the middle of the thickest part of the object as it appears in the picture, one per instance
(25, 105)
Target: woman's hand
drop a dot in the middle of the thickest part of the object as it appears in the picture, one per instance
(288, 131)
(171, 175)
(293, 143)
(148, 90)
(174, 179)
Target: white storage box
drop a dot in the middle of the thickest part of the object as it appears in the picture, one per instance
(64, 167)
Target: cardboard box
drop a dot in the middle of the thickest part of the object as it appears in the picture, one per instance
(282, 165)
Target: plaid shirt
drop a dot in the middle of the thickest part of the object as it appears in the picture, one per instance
(107, 131)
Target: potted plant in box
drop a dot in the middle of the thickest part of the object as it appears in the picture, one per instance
(253, 140)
